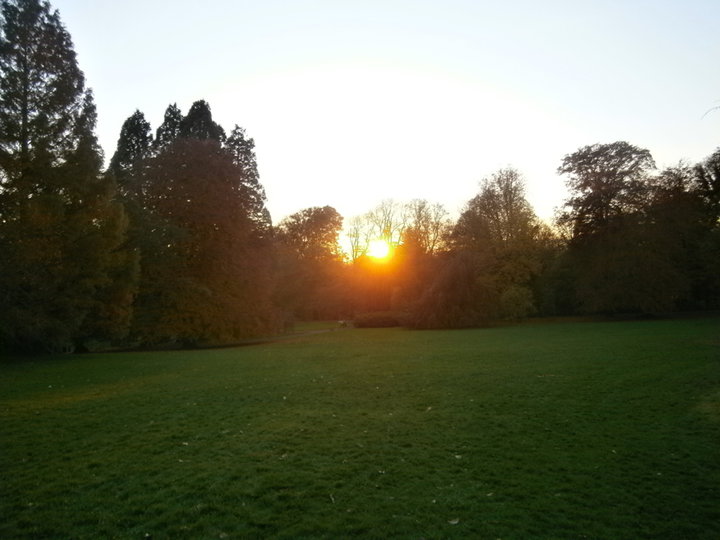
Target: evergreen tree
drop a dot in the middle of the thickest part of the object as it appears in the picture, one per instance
(169, 130)
(198, 124)
(41, 93)
(64, 274)
(133, 146)
(212, 282)
(242, 150)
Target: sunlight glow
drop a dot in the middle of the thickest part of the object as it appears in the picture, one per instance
(378, 249)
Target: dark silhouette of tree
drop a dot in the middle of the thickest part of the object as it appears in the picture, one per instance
(462, 293)
(199, 220)
(605, 181)
(133, 146)
(198, 124)
(213, 282)
(312, 234)
(311, 274)
(495, 254)
(169, 130)
(41, 89)
(707, 184)
(242, 150)
(65, 276)
(427, 225)
(628, 230)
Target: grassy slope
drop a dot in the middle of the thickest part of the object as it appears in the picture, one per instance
(605, 430)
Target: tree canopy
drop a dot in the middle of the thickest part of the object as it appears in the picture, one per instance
(173, 243)
(65, 276)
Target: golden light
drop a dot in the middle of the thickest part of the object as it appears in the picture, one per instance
(378, 249)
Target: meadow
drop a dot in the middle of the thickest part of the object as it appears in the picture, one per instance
(563, 430)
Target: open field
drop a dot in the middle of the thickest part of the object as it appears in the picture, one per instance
(567, 430)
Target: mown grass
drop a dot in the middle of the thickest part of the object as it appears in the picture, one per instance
(583, 430)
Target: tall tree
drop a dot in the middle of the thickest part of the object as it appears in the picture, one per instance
(198, 124)
(169, 130)
(41, 91)
(133, 146)
(605, 181)
(624, 255)
(64, 274)
(501, 229)
(218, 285)
(242, 149)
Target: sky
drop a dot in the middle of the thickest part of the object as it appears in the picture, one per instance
(354, 102)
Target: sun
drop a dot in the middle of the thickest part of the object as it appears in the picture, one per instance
(378, 249)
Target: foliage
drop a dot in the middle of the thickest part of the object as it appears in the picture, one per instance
(41, 91)
(198, 124)
(211, 283)
(605, 181)
(312, 233)
(169, 130)
(602, 430)
(65, 275)
(497, 252)
(133, 146)
(242, 148)
(639, 242)
(310, 271)
(427, 227)
(175, 242)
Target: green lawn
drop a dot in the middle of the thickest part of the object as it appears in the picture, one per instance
(568, 430)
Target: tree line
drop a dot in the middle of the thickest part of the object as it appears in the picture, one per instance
(172, 243)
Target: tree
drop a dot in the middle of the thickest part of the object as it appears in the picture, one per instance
(198, 124)
(213, 281)
(310, 268)
(199, 220)
(65, 276)
(625, 255)
(169, 130)
(500, 224)
(242, 150)
(133, 146)
(707, 185)
(312, 234)
(427, 227)
(605, 181)
(387, 222)
(41, 91)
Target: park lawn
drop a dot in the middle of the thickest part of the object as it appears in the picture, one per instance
(566, 430)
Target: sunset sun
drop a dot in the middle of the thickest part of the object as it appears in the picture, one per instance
(378, 249)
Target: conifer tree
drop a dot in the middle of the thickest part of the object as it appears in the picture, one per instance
(134, 145)
(242, 149)
(198, 218)
(169, 130)
(64, 274)
(198, 124)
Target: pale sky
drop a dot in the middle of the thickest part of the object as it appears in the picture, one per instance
(354, 102)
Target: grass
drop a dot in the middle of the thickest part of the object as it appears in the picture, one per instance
(580, 430)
